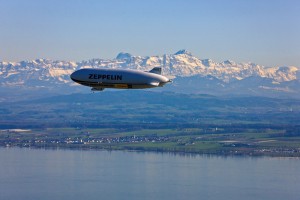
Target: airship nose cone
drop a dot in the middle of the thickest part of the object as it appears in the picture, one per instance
(74, 76)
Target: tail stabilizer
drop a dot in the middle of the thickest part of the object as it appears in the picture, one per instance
(156, 70)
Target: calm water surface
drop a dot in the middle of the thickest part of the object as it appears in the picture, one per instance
(74, 174)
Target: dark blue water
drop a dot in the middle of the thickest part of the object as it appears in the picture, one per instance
(74, 174)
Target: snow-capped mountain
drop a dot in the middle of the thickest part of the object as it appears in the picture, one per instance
(49, 74)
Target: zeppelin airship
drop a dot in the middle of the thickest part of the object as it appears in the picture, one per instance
(99, 79)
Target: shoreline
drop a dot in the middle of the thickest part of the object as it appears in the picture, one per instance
(179, 153)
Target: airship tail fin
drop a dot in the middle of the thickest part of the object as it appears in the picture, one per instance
(156, 70)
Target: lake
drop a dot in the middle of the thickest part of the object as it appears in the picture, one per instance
(88, 174)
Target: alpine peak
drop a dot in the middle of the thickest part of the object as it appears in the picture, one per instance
(183, 51)
(123, 56)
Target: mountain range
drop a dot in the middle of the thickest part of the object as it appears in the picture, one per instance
(189, 73)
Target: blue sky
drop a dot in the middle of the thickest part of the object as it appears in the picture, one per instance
(266, 32)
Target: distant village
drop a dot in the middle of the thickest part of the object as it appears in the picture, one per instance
(229, 147)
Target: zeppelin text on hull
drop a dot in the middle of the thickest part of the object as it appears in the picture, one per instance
(105, 77)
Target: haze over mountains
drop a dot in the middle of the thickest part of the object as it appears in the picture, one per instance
(190, 75)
